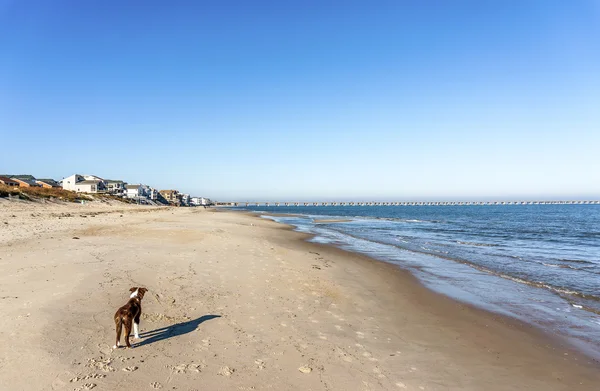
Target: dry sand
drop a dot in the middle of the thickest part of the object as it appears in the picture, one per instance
(240, 303)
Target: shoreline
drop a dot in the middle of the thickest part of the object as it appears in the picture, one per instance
(236, 301)
(571, 345)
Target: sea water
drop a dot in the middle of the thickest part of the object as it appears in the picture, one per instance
(537, 263)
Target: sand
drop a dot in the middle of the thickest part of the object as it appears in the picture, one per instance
(240, 303)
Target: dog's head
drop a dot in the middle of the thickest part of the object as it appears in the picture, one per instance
(137, 292)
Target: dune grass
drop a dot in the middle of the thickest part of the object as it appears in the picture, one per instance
(32, 193)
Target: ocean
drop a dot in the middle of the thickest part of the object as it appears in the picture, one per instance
(536, 263)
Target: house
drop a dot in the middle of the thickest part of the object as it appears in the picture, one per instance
(47, 183)
(25, 180)
(134, 191)
(91, 186)
(8, 182)
(171, 196)
(185, 199)
(83, 183)
(200, 201)
(152, 193)
(115, 187)
(69, 183)
(101, 184)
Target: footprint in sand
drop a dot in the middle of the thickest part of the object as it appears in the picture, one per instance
(377, 371)
(226, 371)
(260, 364)
(102, 364)
(360, 334)
(156, 385)
(186, 368)
(86, 377)
(130, 369)
(305, 369)
(85, 387)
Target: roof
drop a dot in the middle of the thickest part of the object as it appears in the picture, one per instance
(133, 186)
(6, 179)
(48, 181)
(168, 191)
(30, 182)
(113, 181)
(23, 177)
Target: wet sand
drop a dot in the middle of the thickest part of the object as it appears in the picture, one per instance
(236, 302)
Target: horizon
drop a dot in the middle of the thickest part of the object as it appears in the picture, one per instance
(411, 101)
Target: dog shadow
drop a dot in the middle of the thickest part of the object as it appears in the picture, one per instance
(173, 331)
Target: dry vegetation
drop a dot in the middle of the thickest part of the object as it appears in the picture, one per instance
(32, 193)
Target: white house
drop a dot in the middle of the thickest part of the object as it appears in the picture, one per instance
(91, 186)
(134, 191)
(152, 193)
(70, 182)
(83, 183)
(199, 201)
(115, 187)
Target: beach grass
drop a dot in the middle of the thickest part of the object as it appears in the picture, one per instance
(37, 193)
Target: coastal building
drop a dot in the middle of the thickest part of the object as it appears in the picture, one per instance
(115, 187)
(47, 183)
(25, 180)
(152, 193)
(185, 199)
(83, 184)
(70, 182)
(200, 201)
(135, 191)
(89, 186)
(4, 180)
(171, 196)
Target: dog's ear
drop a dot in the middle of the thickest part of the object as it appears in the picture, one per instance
(141, 292)
(133, 289)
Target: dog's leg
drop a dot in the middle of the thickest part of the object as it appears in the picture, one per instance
(119, 325)
(136, 326)
(127, 331)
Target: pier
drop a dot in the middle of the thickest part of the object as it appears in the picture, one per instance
(404, 203)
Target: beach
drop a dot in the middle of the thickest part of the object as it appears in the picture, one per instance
(236, 302)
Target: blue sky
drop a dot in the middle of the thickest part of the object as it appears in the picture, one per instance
(304, 100)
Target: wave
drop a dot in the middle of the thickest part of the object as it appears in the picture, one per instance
(579, 261)
(560, 266)
(403, 242)
(478, 244)
(400, 219)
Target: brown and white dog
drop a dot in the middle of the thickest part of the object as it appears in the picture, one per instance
(130, 313)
